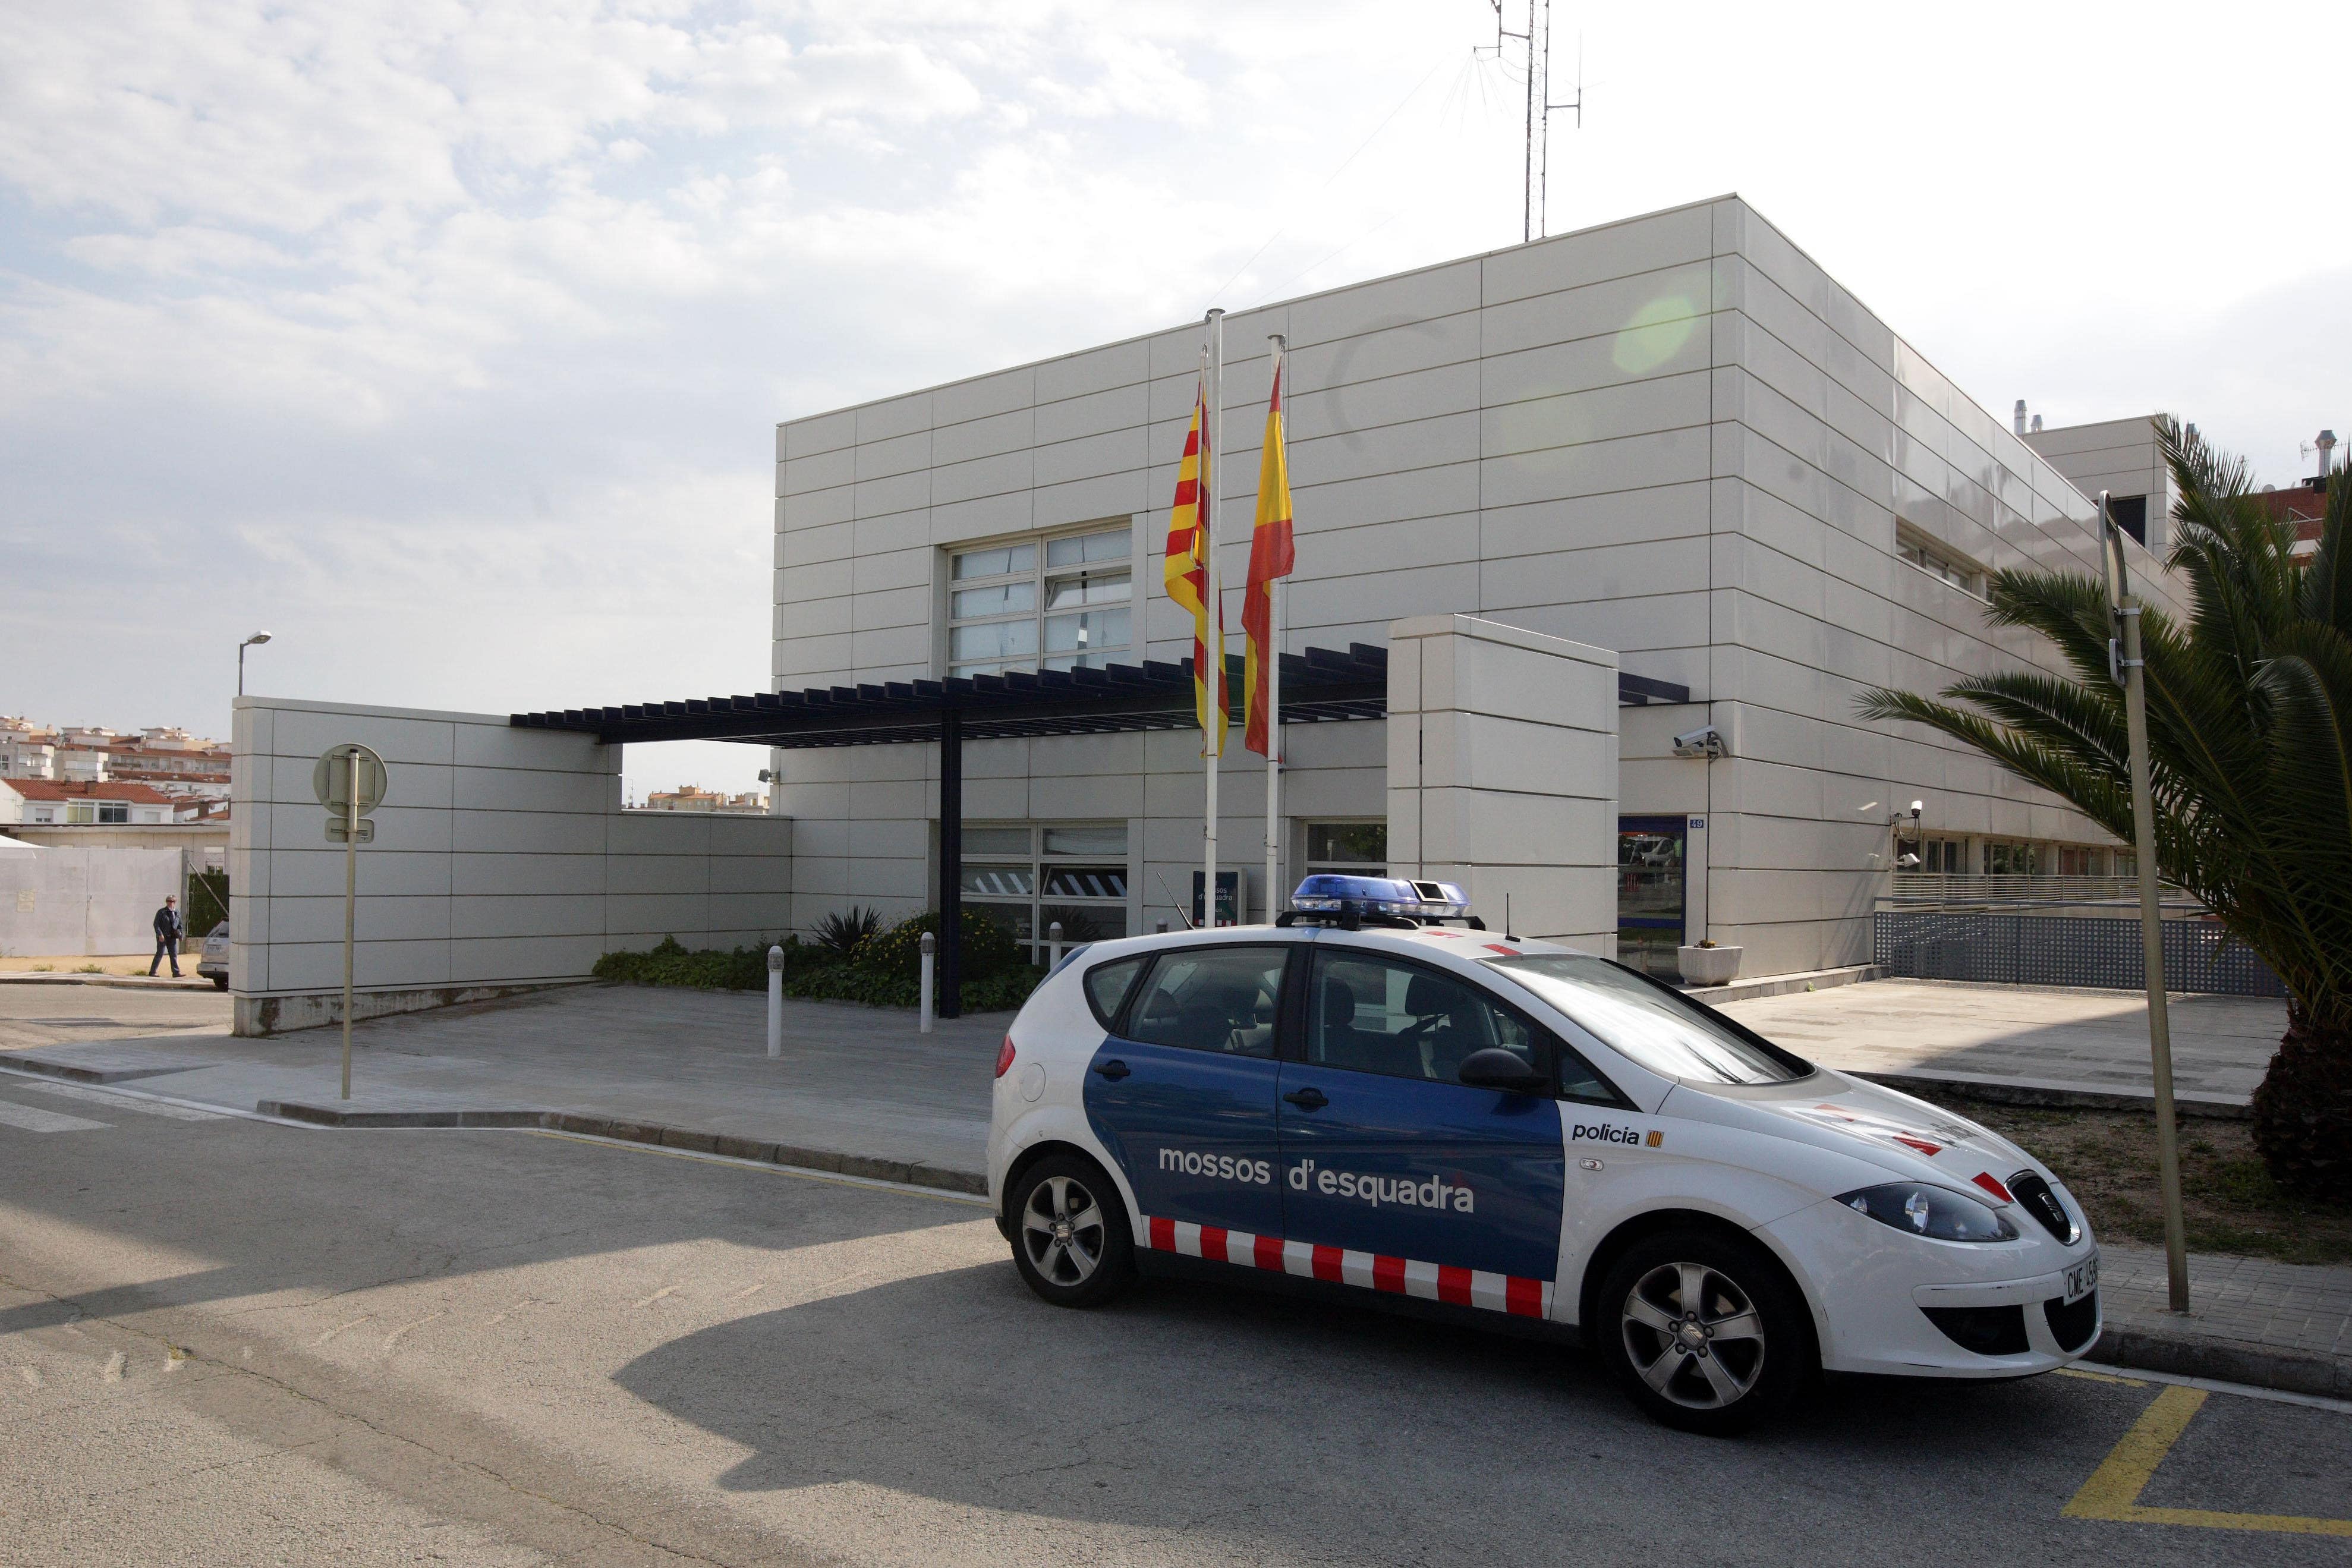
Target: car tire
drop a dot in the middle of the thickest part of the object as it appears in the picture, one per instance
(220, 982)
(1716, 1364)
(1070, 1237)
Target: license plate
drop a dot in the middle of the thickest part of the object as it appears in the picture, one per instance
(2082, 1280)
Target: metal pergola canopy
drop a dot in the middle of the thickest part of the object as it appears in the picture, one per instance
(1319, 686)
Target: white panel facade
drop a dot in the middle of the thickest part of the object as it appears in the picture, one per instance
(501, 857)
(1675, 437)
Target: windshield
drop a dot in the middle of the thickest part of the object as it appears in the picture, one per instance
(1648, 1024)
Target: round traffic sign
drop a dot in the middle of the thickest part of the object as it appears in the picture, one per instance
(330, 778)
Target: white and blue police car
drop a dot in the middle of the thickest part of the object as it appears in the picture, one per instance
(1378, 1094)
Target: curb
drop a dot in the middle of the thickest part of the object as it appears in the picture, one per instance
(910, 1172)
(119, 982)
(2051, 1095)
(2224, 1361)
(1785, 985)
(78, 1074)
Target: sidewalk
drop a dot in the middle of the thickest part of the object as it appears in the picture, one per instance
(860, 1090)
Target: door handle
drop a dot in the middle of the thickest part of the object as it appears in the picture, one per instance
(1308, 1098)
(1114, 1069)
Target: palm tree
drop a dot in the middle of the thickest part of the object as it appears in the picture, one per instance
(2250, 745)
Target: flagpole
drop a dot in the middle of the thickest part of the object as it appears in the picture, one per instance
(1213, 451)
(1272, 654)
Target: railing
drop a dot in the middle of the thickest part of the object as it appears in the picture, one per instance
(1938, 889)
(2029, 947)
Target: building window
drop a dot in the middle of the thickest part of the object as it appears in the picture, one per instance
(1351, 848)
(1939, 560)
(2076, 861)
(2130, 513)
(79, 813)
(113, 813)
(2011, 859)
(1947, 857)
(1061, 603)
(1028, 875)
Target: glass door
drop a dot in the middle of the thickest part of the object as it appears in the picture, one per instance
(1651, 886)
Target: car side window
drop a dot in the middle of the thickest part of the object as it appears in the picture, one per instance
(1211, 999)
(1579, 1082)
(1366, 1013)
(1107, 987)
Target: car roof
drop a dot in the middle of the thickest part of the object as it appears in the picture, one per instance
(1459, 942)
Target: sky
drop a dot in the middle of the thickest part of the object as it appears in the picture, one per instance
(445, 341)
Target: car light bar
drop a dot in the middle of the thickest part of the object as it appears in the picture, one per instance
(1327, 893)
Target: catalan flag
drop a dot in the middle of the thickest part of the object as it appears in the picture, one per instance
(1271, 556)
(1187, 574)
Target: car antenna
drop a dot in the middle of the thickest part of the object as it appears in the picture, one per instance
(1171, 900)
(1506, 919)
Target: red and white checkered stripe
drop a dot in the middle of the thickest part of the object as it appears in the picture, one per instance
(1371, 1270)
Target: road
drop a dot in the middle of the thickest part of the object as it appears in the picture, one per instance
(225, 1341)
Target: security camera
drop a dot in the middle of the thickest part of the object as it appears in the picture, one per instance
(1706, 742)
(766, 777)
(1906, 862)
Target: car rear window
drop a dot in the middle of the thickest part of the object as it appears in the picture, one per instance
(1107, 986)
(1650, 1024)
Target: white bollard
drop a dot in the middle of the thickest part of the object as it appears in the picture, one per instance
(1054, 935)
(930, 944)
(775, 1002)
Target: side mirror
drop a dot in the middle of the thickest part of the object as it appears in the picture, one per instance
(1494, 1068)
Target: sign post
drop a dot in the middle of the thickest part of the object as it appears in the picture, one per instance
(349, 781)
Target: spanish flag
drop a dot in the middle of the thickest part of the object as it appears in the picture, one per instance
(1187, 574)
(1271, 556)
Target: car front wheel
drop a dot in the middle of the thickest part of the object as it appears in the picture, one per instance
(1703, 1331)
(1070, 1237)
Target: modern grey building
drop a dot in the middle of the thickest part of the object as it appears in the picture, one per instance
(1557, 506)
(1676, 437)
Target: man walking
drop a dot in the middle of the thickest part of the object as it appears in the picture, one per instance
(169, 930)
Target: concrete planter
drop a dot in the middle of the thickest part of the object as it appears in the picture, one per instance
(1709, 965)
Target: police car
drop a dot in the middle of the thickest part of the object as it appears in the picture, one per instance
(1377, 1094)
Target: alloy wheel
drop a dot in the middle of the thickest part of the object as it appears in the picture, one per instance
(1693, 1335)
(1062, 1231)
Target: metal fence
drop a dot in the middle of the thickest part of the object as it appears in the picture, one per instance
(2062, 950)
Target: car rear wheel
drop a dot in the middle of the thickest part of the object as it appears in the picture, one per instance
(1070, 1237)
(220, 982)
(1703, 1331)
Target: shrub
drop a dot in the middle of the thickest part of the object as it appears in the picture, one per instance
(814, 973)
(840, 934)
(988, 948)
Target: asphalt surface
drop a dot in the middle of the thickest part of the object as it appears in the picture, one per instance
(223, 1340)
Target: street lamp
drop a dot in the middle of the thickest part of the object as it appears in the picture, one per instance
(250, 642)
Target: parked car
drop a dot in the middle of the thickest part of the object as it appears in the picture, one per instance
(213, 963)
(1497, 1125)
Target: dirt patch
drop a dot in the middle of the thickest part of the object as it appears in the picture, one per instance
(2107, 1158)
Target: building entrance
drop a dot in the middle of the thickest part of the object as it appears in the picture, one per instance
(1651, 886)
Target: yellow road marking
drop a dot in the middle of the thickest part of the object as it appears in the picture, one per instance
(2113, 1491)
(2100, 1377)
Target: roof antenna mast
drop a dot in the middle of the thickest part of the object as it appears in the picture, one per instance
(1536, 39)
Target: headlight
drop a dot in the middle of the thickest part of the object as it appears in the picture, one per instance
(1937, 1212)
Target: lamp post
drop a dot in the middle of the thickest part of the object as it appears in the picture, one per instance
(255, 639)
(2129, 670)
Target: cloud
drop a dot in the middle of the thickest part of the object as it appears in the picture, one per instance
(449, 337)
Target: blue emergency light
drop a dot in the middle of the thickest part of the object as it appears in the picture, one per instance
(1327, 893)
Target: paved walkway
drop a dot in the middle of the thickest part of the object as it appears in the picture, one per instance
(860, 1080)
(2061, 1036)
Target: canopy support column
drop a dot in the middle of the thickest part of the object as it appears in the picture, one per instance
(951, 943)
